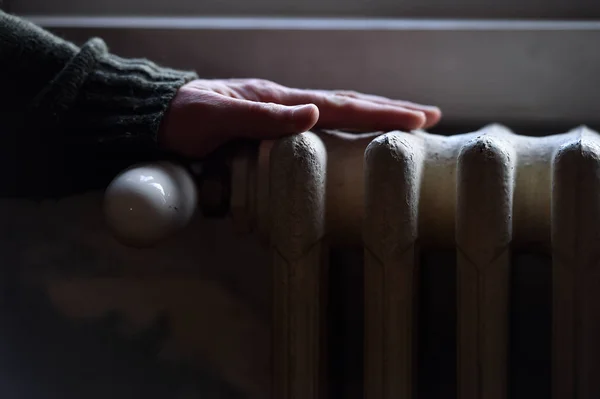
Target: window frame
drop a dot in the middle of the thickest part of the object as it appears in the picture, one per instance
(467, 9)
(517, 72)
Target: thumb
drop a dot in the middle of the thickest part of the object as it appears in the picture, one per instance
(263, 121)
(197, 122)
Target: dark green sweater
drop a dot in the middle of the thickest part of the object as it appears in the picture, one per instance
(71, 118)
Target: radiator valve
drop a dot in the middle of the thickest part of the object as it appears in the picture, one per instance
(147, 203)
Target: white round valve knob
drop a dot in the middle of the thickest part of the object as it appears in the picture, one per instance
(148, 203)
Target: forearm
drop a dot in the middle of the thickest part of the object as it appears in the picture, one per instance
(80, 114)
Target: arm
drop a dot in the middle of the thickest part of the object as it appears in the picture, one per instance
(70, 118)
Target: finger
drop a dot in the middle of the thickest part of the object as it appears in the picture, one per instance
(258, 120)
(199, 121)
(341, 112)
(432, 114)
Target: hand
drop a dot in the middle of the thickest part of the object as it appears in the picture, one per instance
(208, 113)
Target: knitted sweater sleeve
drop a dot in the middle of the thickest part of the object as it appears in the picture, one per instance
(70, 118)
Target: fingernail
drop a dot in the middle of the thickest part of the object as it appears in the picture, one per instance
(435, 110)
(303, 115)
(299, 109)
(422, 121)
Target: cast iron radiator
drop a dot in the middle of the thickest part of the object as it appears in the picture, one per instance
(397, 195)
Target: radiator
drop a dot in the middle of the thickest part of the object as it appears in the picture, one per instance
(482, 194)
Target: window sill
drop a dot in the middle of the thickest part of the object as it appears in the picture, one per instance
(508, 71)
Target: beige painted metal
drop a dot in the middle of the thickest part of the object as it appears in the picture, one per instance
(391, 263)
(482, 193)
(485, 183)
(297, 205)
(576, 277)
(345, 191)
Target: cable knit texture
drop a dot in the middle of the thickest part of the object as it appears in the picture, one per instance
(71, 118)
